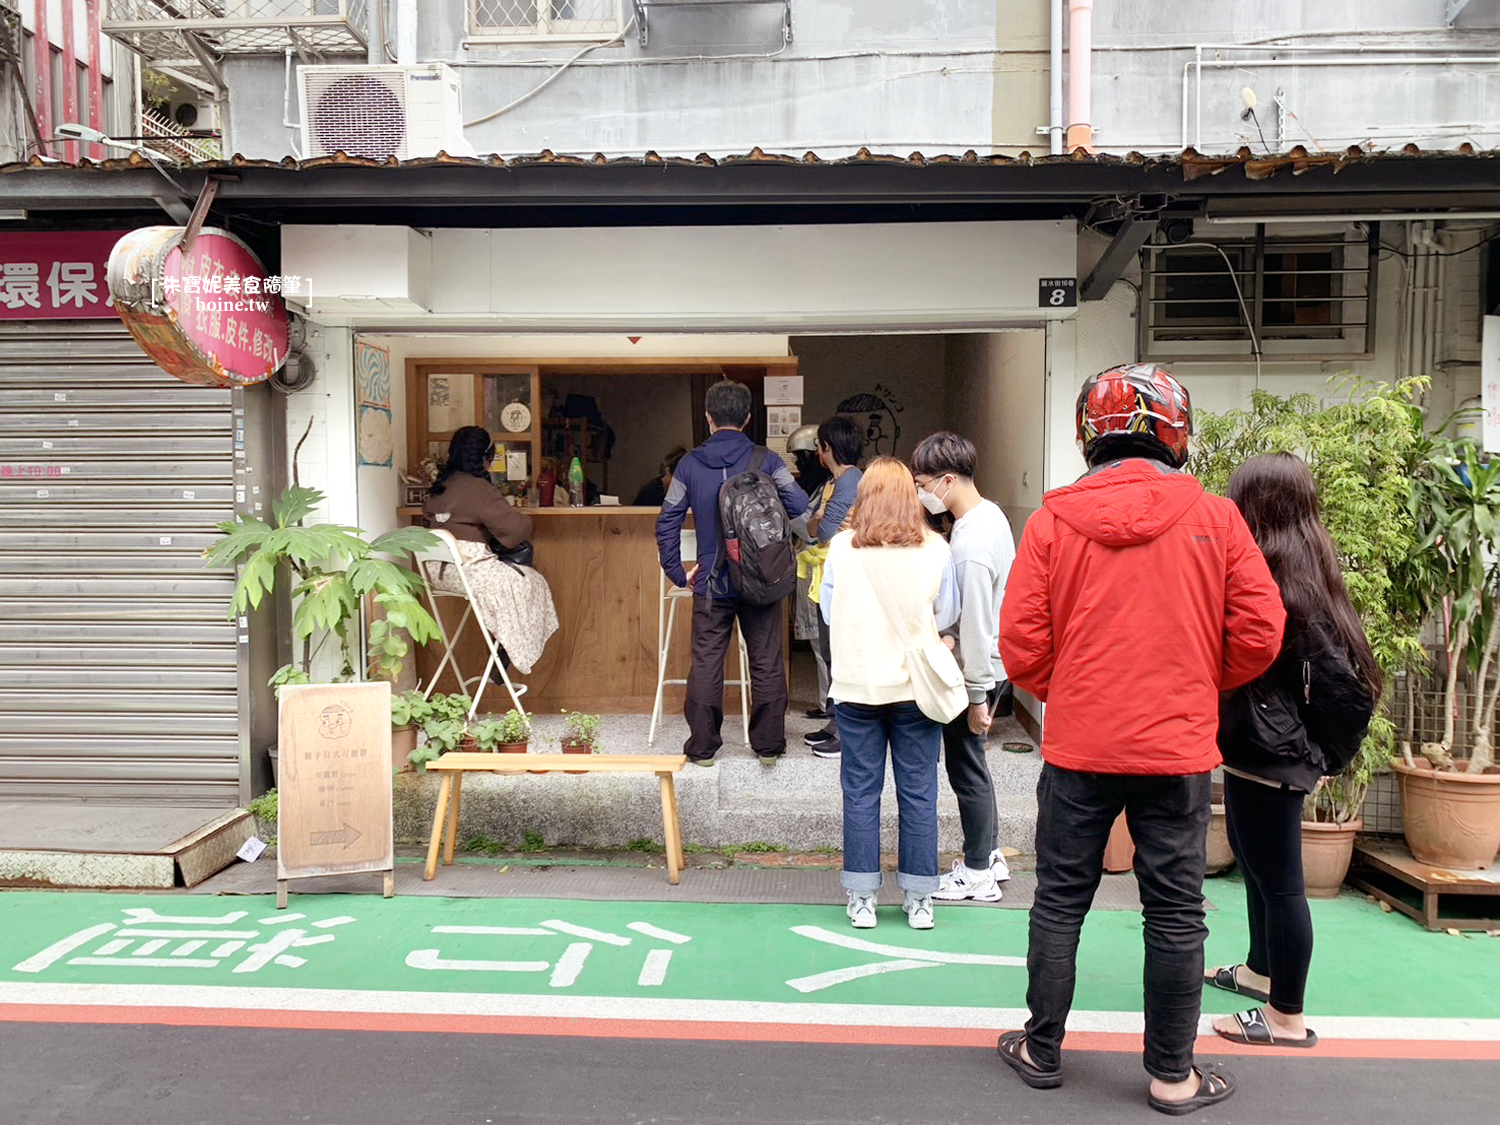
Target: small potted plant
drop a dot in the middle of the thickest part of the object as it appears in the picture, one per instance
(509, 734)
(580, 735)
(443, 726)
(409, 711)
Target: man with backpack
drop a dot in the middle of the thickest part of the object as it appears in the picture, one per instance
(743, 499)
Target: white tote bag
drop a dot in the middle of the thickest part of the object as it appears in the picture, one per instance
(936, 680)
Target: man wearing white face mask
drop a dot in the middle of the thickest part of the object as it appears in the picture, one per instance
(983, 549)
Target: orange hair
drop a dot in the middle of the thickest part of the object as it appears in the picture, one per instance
(886, 511)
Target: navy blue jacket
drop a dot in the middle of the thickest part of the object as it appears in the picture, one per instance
(695, 486)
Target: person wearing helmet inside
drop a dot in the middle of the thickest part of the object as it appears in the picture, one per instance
(1134, 600)
(809, 469)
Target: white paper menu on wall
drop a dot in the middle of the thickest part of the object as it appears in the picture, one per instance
(450, 402)
(783, 390)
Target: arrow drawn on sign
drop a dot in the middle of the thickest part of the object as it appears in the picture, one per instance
(345, 835)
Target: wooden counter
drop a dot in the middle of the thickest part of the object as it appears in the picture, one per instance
(601, 564)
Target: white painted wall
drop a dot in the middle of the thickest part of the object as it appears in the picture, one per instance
(906, 372)
(995, 395)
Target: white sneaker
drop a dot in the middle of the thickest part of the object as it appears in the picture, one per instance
(918, 911)
(964, 882)
(861, 911)
(998, 867)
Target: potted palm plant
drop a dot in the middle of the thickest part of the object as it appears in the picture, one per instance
(1450, 795)
(1361, 448)
(580, 735)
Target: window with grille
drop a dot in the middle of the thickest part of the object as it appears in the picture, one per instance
(530, 20)
(1295, 296)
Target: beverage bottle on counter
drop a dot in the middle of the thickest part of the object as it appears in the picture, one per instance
(546, 487)
(575, 482)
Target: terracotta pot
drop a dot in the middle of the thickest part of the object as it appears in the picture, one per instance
(512, 748)
(1220, 857)
(467, 745)
(1119, 851)
(577, 748)
(1450, 819)
(1326, 852)
(403, 742)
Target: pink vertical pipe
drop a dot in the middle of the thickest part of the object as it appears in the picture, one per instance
(42, 64)
(69, 79)
(97, 49)
(1080, 75)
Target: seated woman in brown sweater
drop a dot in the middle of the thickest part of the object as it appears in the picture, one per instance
(514, 601)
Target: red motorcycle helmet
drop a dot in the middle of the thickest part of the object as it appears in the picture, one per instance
(1139, 400)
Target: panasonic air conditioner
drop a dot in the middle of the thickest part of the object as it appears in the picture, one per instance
(382, 111)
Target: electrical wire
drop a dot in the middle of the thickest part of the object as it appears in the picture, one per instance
(1238, 292)
(1485, 241)
(553, 77)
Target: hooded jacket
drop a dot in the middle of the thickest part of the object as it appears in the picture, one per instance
(695, 487)
(1134, 600)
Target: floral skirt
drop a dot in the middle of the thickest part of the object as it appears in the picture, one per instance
(514, 602)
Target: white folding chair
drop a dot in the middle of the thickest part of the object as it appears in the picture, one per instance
(446, 552)
(666, 618)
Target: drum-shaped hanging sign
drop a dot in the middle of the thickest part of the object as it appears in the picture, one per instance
(208, 314)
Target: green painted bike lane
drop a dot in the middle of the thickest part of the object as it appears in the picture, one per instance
(1367, 963)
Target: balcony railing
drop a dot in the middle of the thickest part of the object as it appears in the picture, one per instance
(186, 37)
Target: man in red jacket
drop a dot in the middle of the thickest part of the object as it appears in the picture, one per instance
(1135, 598)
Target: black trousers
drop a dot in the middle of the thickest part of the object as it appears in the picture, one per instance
(713, 629)
(969, 775)
(1265, 831)
(1168, 818)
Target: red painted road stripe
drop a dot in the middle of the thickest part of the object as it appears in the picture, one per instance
(720, 1031)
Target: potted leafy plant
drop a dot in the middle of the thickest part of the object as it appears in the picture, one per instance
(332, 568)
(408, 711)
(580, 735)
(443, 728)
(1361, 450)
(509, 734)
(1451, 807)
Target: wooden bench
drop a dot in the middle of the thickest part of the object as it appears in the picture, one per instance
(454, 766)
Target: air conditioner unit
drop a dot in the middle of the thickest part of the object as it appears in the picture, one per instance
(382, 111)
(192, 111)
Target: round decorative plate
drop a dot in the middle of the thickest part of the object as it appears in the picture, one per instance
(516, 417)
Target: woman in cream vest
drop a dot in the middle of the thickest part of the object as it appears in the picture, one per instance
(886, 546)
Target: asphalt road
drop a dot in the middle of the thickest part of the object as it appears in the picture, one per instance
(79, 1074)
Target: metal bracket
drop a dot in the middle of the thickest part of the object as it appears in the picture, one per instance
(1455, 8)
(200, 212)
(643, 9)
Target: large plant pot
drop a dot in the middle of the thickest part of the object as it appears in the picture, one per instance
(1450, 819)
(403, 742)
(1326, 852)
(1219, 855)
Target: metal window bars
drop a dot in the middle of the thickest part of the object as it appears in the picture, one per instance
(545, 19)
(644, 8)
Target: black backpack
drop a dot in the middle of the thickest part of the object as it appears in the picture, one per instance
(757, 534)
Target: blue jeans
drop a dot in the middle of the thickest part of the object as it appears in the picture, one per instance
(915, 742)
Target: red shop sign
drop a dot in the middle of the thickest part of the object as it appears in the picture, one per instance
(208, 315)
(55, 275)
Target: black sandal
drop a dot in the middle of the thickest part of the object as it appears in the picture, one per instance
(1255, 1031)
(1009, 1049)
(1223, 977)
(1214, 1087)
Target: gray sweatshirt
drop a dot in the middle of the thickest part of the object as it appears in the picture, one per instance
(983, 549)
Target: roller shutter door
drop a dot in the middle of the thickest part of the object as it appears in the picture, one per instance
(118, 675)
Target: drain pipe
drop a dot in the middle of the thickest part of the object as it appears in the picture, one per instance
(1055, 81)
(374, 44)
(1080, 75)
(406, 32)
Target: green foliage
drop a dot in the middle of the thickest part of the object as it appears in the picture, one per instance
(409, 709)
(1363, 452)
(265, 807)
(482, 843)
(332, 569)
(455, 706)
(287, 674)
(754, 847)
(510, 728)
(535, 842)
(643, 844)
(581, 730)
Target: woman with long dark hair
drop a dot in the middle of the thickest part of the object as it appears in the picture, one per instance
(513, 600)
(1280, 735)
